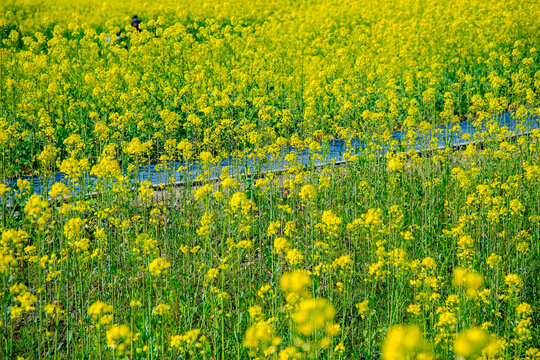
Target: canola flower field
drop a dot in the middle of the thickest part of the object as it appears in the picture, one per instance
(395, 257)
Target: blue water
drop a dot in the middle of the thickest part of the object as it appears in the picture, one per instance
(332, 154)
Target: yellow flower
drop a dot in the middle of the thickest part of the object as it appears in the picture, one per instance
(159, 266)
(308, 193)
(258, 333)
(58, 190)
(239, 201)
(26, 300)
(344, 262)
(395, 161)
(494, 260)
(363, 308)
(256, 312)
(414, 309)
(7, 263)
(340, 348)
(73, 228)
(289, 353)
(470, 343)
(203, 192)
(36, 208)
(524, 309)
(161, 309)
(280, 245)
(101, 312)
(229, 182)
(146, 192)
(297, 282)
(260, 336)
(514, 283)
(186, 341)
(471, 280)
(49, 308)
(314, 314)
(212, 274)
(4, 189)
(294, 256)
(273, 228)
(107, 167)
(206, 222)
(119, 337)
(404, 343)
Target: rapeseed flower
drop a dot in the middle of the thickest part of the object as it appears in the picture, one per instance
(159, 266)
(405, 342)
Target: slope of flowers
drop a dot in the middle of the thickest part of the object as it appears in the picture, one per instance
(414, 257)
(245, 75)
(395, 257)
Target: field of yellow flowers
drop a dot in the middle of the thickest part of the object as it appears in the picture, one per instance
(399, 256)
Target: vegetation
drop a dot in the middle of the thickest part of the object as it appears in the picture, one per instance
(400, 257)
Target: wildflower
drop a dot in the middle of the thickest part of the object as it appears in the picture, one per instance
(107, 168)
(49, 309)
(185, 343)
(296, 282)
(159, 266)
(7, 262)
(471, 280)
(73, 228)
(273, 228)
(206, 222)
(73, 168)
(465, 249)
(330, 222)
(24, 185)
(373, 218)
(119, 337)
(260, 336)
(414, 309)
(308, 193)
(146, 244)
(494, 260)
(203, 192)
(207, 157)
(239, 201)
(314, 314)
(340, 348)
(47, 157)
(280, 245)
(146, 191)
(523, 327)
(405, 342)
(212, 274)
(229, 182)
(294, 256)
(58, 190)
(37, 209)
(470, 344)
(161, 309)
(343, 262)
(289, 353)
(256, 313)
(265, 289)
(26, 300)
(395, 162)
(101, 312)
(514, 283)
(363, 308)
(4, 189)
